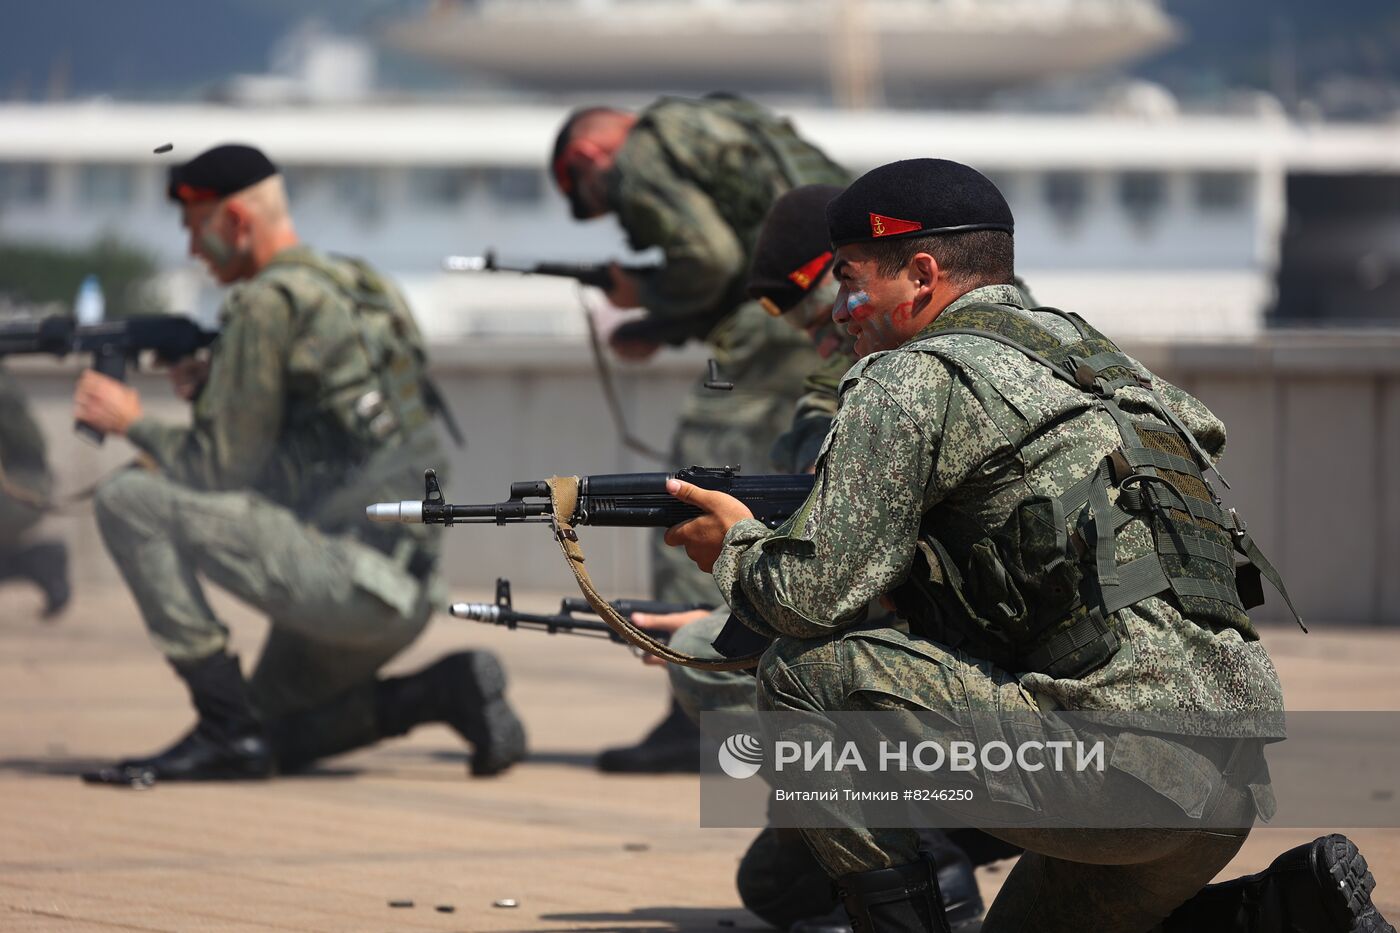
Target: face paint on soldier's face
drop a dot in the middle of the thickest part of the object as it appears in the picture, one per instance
(877, 311)
(214, 249)
(220, 247)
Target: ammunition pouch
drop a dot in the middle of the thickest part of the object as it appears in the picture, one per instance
(1039, 593)
(1018, 602)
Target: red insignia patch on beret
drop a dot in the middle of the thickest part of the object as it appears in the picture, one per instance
(189, 194)
(881, 225)
(808, 273)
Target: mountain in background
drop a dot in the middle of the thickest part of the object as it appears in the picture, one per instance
(1340, 58)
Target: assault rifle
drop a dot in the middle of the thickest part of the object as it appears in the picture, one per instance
(620, 500)
(112, 343)
(596, 274)
(502, 612)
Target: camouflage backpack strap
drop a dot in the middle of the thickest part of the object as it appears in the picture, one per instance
(800, 162)
(371, 282)
(406, 398)
(1158, 463)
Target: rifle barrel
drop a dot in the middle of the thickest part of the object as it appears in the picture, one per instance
(468, 263)
(494, 614)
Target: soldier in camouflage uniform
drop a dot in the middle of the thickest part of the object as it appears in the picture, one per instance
(694, 178)
(25, 486)
(778, 879)
(962, 425)
(315, 401)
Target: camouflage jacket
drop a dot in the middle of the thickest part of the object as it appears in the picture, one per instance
(915, 430)
(289, 377)
(796, 450)
(695, 178)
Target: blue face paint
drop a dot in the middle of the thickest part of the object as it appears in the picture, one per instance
(874, 328)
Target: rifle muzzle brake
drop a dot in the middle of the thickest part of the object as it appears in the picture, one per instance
(407, 512)
(477, 612)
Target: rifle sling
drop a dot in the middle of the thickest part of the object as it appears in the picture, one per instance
(563, 500)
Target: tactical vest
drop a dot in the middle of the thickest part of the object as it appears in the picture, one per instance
(393, 406)
(799, 161)
(742, 156)
(351, 456)
(753, 167)
(1039, 593)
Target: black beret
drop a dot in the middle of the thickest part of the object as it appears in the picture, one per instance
(217, 173)
(793, 251)
(917, 197)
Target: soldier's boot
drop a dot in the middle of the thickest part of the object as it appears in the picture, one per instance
(789, 905)
(1321, 887)
(902, 899)
(671, 747)
(46, 566)
(957, 881)
(227, 743)
(465, 691)
(962, 905)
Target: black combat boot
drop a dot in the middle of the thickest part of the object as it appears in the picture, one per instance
(957, 882)
(226, 744)
(957, 885)
(1322, 887)
(671, 747)
(903, 899)
(46, 566)
(467, 692)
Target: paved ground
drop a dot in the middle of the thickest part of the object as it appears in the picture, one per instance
(328, 852)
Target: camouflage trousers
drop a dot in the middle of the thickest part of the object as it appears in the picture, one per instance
(1105, 880)
(768, 362)
(696, 690)
(326, 596)
(778, 879)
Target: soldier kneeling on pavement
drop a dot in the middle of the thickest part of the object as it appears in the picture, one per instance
(25, 486)
(313, 401)
(965, 411)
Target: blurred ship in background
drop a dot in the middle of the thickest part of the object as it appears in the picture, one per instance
(1242, 239)
(1119, 191)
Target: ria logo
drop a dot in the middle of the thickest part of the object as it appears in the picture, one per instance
(741, 756)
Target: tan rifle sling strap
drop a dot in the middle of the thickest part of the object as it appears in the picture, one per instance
(563, 499)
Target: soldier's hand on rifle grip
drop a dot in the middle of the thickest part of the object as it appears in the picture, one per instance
(632, 350)
(187, 376)
(667, 622)
(624, 292)
(703, 537)
(106, 404)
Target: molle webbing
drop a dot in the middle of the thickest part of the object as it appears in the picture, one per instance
(799, 161)
(1158, 473)
(391, 344)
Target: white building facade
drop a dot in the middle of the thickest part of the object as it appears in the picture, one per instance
(1164, 227)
